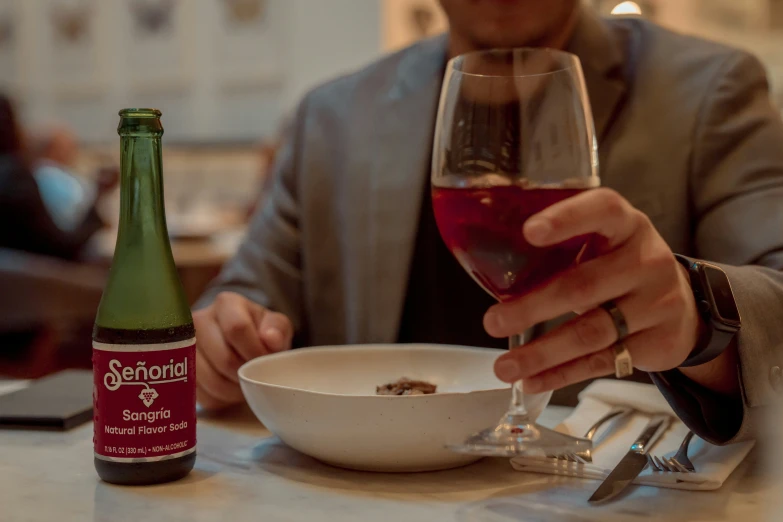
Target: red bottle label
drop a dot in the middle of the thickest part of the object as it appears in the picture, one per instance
(144, 399)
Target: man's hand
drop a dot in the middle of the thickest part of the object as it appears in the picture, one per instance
(634, 267)
(229, 332)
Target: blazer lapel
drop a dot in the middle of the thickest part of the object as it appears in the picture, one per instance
(405, 126)
(602, 64)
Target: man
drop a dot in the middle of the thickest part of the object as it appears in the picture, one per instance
(25, 222)
(69, 198)
(26, 225)
(691, 155)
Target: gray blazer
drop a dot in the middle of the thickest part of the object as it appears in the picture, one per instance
(686, 132)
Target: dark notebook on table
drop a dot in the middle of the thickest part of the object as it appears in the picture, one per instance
(59, 402)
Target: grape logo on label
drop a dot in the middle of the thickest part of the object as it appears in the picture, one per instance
(119, 375)
(148, 396)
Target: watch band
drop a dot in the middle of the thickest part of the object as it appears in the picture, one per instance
(710, 345)
(713, 339)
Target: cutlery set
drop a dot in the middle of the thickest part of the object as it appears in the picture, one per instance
(586, 457)
(638, 456)
(680, 462)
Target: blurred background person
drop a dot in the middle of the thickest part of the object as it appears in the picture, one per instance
(69, 197)
(25, 221)
(40, 344)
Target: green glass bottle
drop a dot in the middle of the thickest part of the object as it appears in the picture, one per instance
(144, 339)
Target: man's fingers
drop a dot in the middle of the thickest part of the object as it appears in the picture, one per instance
(229, 332)
(211, 345)
(657, 349)
(238, 326)
(599, 211)
(581, 336)
(276, 331)
(214, 384)
(233, 330)
(651, 350)
(207, 401)
(580, 288)
(595, 365)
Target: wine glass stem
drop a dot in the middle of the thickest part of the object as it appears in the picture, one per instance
(517, 407)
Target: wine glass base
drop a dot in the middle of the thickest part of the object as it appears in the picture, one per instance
(511, 439)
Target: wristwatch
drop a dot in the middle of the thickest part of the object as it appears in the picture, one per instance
(717, 308)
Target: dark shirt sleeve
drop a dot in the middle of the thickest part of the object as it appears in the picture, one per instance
(25, 223)
(737, 186)
(715, 418)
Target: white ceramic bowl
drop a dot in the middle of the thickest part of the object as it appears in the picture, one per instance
(322, 402)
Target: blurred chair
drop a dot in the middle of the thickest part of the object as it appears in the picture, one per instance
(46, 297)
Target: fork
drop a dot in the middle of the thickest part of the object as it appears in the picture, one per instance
(586, 456)
(680, 463)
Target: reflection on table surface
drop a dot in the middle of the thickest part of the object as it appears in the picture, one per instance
(244, 473)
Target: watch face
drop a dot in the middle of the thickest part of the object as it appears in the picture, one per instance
(724, 308)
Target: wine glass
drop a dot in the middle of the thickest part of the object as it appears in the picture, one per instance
(514, 134)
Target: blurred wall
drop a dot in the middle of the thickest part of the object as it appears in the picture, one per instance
(217, 71)
(329, 37)
(753, 25)
(222, 72)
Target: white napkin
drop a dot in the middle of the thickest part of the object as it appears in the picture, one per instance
(713, 464)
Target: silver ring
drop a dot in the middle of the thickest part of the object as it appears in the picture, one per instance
(617, 318)
(623, 364)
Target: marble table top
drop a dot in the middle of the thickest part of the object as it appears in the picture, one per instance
(244, 473)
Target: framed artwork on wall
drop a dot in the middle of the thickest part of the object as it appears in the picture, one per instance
(74, 52)
(248, 43)
(158, 33)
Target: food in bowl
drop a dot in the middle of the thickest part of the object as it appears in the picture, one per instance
(405, 386)
(322, 401)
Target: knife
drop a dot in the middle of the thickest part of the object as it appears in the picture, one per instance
(633, 462)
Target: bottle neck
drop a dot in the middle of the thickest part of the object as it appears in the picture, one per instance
(142, 214)
(143, 301)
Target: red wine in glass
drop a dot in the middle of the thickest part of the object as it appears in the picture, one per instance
(482, 226)
(514, 135)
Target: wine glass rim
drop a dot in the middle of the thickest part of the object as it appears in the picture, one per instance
(567, 62)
